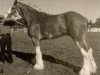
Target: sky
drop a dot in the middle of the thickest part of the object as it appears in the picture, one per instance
(88, 8)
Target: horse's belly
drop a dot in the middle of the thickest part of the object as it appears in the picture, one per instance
(54, 27)
(48, 35)
(54, 32)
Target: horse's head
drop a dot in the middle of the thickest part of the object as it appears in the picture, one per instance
(26, 12)
(14, 11)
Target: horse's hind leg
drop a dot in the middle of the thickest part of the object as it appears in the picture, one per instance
(92, 59)
(89, 65)
(90, 51)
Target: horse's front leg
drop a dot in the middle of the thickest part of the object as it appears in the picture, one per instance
(34, 33)
(39, 61)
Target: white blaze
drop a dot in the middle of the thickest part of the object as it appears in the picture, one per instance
(8, 12)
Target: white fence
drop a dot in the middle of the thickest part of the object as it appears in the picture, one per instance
(94, 30)
(13, 30)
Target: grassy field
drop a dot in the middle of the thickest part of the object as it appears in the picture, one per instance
(61, 56)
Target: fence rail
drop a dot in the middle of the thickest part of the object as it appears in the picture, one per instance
(94, 30)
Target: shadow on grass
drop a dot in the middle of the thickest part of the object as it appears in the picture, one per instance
(29, 57)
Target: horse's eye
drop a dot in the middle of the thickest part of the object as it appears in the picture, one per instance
(12, 7)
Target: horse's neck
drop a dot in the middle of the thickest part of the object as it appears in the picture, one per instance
(29, 15)
(26, 17)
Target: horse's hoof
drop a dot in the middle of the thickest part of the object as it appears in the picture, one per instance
(39, 67)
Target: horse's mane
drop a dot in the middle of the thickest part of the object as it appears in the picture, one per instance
(32, 9)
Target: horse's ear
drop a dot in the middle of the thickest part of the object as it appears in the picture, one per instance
(16, 2)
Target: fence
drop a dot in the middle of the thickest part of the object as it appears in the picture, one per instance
(94, 30)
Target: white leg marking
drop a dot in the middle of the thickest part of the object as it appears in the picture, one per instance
(94, 67)
(86, 68)
(39, 61)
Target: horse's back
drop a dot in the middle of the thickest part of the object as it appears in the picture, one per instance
(76, 15)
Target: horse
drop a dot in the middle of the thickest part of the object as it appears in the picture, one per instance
(42, 26)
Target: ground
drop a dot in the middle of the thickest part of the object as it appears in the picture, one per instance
(61, 56)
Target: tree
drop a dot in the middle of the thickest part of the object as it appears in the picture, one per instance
(97, 23)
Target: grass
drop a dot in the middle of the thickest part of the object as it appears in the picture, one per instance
(61, 56)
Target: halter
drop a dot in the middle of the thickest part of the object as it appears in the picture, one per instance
(7, 13)
(18, 22)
